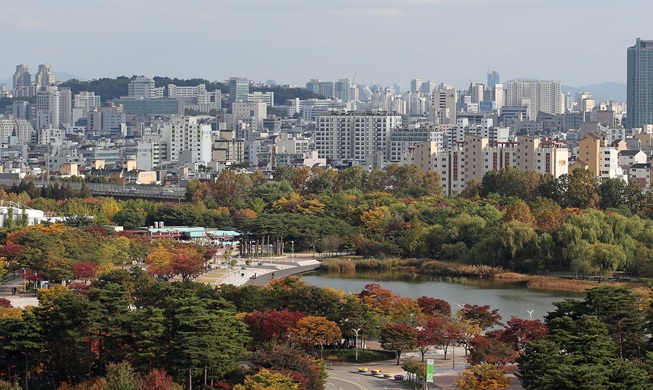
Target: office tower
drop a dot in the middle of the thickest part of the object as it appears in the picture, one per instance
(427, 87)
(639, 89)
(19, 109)
(238, 89)
(415, 85)
(493, 79)
(22, 78)
(341, 89)
(45, 76)
(144, 88)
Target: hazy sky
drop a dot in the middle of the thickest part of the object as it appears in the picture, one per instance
(579, 42)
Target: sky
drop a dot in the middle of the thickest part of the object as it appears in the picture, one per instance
(578, 42)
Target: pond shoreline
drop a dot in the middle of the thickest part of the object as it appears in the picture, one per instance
(455, 271)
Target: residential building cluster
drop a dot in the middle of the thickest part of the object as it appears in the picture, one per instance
(174, 133)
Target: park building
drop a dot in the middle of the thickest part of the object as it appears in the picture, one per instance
(17, 212)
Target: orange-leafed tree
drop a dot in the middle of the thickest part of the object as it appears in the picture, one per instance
(314, 331)
(187, 262)
(483, 376)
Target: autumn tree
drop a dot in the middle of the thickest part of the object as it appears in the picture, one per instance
(187, 262)
(271, 324)
(430, 333)
(483, 376)
(309, 373)
(398, 338)
(483, 316)
(266, 380)
(430, 305)
(85, 270)
(312, 331)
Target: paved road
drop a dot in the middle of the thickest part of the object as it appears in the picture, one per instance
(348, 378)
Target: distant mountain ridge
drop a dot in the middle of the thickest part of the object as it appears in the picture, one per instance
(601, 92)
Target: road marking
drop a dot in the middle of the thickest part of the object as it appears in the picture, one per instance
(353, 383)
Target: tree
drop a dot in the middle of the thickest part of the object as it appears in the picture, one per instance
(398, 338)
(480, 315)
(157, 379)
(312, 330)
(434, 305)
(431, 333)
(577, 354)
(121, 376)
(187, 262)
(85, 270)
(20, 343)
(581, 189)
(271, 324)
(518, 332)
(309, 373)
(483, 376)
(266, 380)
(491, 350)
(203, 340)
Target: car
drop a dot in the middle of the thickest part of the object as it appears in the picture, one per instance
(130, 189)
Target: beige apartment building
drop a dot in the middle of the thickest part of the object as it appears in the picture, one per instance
(476, 156)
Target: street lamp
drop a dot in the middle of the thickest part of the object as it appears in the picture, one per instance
(530, 314)
(356, 342)
(292, 245)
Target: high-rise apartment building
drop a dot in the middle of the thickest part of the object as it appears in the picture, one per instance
(238, 89)
(22, 78)
(443, 105)
(537, 95)
(188, 141)
(354, 135)
(324, 88)
(639, 88)
(45, 76)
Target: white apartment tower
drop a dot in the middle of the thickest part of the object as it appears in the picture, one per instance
(187, 140)
(538, 95)
(354, 135)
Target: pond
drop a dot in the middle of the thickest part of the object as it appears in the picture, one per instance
(511, 298)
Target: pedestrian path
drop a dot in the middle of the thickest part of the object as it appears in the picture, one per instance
(17, 299)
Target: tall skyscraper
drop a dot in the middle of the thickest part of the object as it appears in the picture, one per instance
(639, 89)
(415, 85)
(22, 78)
(493, 79)
(238, 89)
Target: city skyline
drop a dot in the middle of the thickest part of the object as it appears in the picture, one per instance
(292, 41)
